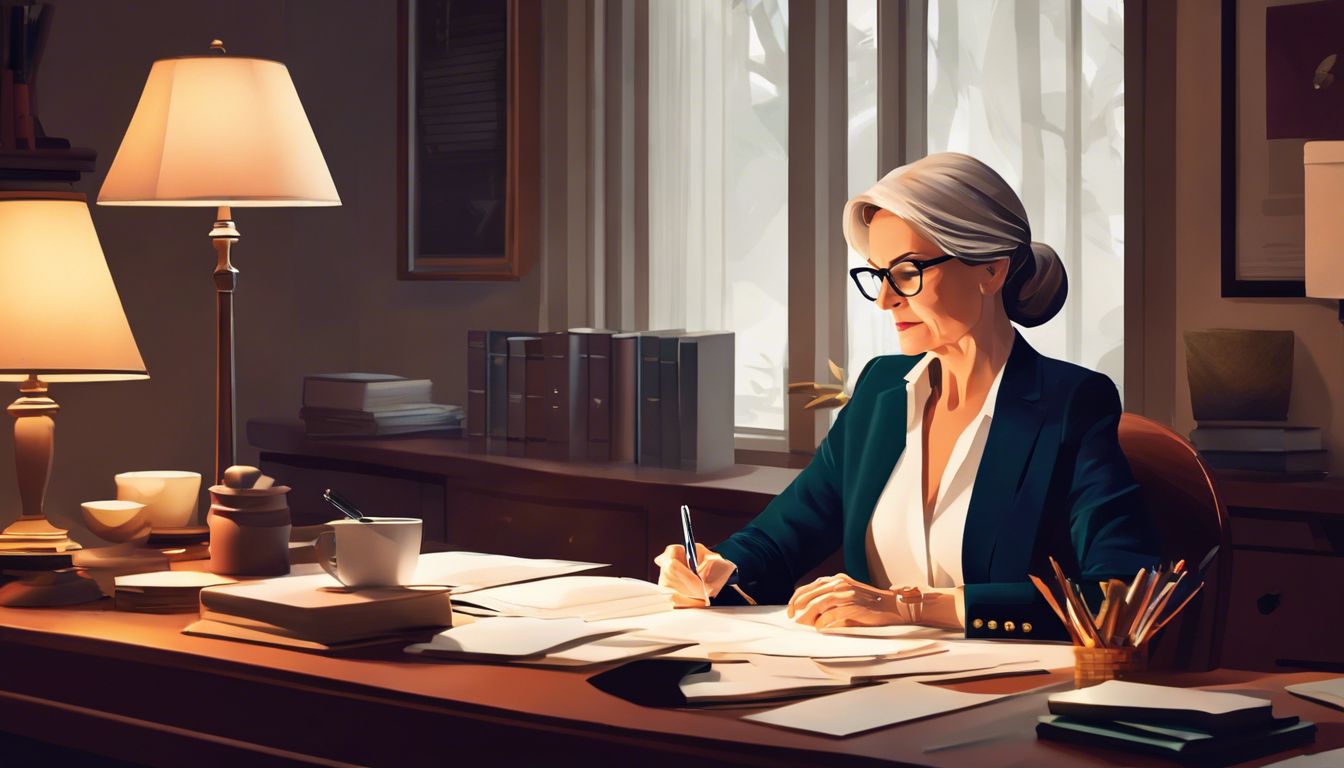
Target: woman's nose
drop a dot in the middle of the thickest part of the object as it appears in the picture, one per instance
(887, 297)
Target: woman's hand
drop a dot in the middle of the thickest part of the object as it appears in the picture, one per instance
(842, 601)
(691, 590)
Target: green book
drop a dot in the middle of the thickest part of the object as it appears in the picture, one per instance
(1174, 741)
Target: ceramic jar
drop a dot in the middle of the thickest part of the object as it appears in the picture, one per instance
(249, 530)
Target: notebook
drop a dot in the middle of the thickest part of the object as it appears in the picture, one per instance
(1210, 711)
(1174, 741)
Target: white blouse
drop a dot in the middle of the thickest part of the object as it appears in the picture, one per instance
(900, 551)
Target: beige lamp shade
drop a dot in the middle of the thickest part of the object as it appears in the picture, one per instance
(219, 131)
(60, 316)
(1323, 169)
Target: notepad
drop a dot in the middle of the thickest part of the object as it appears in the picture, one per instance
(507, 637)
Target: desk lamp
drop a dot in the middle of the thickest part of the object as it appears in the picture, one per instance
(221, 132)
(60, 320)
(1324, 219)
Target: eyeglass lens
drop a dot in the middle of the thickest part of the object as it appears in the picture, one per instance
(907, 279)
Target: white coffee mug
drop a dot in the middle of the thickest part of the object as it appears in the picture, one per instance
(379, 553)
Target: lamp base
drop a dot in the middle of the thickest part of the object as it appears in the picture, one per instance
(36, 534)
(66, 586)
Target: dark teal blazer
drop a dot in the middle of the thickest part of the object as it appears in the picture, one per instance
(1052, 482)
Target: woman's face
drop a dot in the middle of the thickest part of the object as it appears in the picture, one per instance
(956, 296)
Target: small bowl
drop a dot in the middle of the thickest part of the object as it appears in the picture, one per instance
(115, 520)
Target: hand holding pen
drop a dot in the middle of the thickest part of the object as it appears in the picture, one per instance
(693, 579)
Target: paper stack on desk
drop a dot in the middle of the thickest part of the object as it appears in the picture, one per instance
(471, 571)
(592, 598)
(1176, 722)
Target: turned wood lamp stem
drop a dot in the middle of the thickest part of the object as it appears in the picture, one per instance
(34, 445)
(224, 235)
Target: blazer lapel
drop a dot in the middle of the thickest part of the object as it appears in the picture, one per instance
(1017, 420)
(882, 446)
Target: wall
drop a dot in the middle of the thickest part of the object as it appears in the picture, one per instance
(1318, 361)
(317, 289)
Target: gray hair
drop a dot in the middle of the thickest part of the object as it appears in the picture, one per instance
(969, 211)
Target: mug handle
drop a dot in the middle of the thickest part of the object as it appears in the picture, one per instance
(325, 544)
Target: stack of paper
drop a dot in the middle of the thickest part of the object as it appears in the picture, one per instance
(863, 709)
(814, 645)
(470, 571)
(163, 591)
(748, 682)
(592, 598)
(1328, 692)
(1181, 722)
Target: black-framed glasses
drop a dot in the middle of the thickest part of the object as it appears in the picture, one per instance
(905, 277)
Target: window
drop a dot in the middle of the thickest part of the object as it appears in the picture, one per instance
(1036, 90)
(718, 186)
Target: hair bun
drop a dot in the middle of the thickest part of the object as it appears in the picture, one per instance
(1036, 290)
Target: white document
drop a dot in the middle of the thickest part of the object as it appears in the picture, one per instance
(735, 681)
(1122, 693)
(470, 571)
(606, 650)
(588, 597)
(814, 645)
(508, 637)
(863, 709)
(1328, 692)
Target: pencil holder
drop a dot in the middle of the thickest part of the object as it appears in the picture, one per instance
(1097, 665)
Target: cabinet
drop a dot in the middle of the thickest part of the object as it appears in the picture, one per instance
(620, 514)
(1285, 607)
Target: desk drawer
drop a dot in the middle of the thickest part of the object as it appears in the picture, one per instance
(1284, 606)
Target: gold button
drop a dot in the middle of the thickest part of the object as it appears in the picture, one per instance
(978, 623)
(1009, 626)
(1026, 626)
(993, 624)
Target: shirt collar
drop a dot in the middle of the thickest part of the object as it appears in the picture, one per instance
(918, 376)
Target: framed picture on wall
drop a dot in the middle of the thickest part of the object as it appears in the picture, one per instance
(468, 138)
(1262, 202)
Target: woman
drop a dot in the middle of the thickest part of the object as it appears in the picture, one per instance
(958, 467)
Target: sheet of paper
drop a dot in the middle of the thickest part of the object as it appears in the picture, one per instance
(913, 631)
(1122, 693)
(736, 681)
(697, 625)
(470, 571)
(508, 636)
(814, 645)
(588, 597)
(1328, 692)
(606, 650)
(936, 664)
(863, 709)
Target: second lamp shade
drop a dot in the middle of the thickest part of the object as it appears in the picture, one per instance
(219, 131)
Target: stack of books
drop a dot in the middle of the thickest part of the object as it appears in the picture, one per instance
(1187, 724)
(312, 612)
(163, 591)
(660, 398)
(1262, 447)
(372, 404)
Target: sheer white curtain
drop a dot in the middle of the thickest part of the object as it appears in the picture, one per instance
(718, 185)
(1035, 88)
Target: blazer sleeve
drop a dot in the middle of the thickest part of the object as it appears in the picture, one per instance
(799, 528)
(1108, 529)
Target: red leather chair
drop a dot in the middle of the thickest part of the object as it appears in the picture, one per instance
(1182, 499)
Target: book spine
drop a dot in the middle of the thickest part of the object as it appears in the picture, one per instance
(534, 407)
(624, 405)
(688, 372)
(669, 421)
(496, 386)
(714, 398)
(578, 396)
(599, 397)
(555, 346)
(648, 427)
(476, 383)
(516, 415)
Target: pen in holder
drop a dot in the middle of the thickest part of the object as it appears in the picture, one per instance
(1112, 643)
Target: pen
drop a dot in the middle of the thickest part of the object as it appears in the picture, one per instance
(688, 540)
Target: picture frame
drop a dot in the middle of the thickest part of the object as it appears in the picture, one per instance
(468, 141)
(1259, 242)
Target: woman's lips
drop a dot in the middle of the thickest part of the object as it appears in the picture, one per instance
(902, 326)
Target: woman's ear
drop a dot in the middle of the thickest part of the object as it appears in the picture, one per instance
(994, 274)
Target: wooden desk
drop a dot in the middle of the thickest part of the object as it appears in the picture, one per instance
(130, 687)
